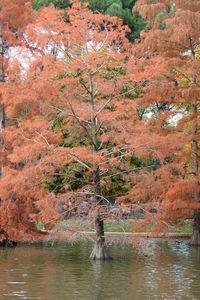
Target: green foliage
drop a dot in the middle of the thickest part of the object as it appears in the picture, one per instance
(57, 3)
(116, 185)
(123, 10)
(70, 178)
(72, 139)
(185, 107)
(131, 93)
(153, 164)
(57, 122)
(137, 161)
(167, 124)
(97, 5)
(114, 9)
(103, 5)
(39, 226)
(135, 22)
(160, 19)
(110, 107)
(113, 72)
(128, 4)
(149, 163)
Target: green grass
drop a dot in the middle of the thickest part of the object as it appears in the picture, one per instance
(123, 226)
(109, 226)
(182, 227)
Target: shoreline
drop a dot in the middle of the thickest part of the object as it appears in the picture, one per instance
(141, 234)
(121, 235)
(71, 236)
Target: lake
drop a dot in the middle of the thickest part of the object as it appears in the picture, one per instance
(152, 270)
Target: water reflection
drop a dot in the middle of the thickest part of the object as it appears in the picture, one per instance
(156, 270)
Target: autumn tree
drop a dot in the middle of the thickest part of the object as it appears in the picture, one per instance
(77, 114)
(92, 110)
(173, 35)
(121, 9)
(39, 100)
(15, 221)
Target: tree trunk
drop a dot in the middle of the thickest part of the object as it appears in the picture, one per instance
(100, 251)
(6, 242)
(2, 127)
(2, 79)
(195, 240)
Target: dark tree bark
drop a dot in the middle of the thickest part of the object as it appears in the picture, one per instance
(195, 240)
(2, 127)
(6, 242)
(2, 79)
(100, 251)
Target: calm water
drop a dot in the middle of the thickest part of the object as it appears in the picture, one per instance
(160, 270)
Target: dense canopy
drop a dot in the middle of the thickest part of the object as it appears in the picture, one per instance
(98, 106)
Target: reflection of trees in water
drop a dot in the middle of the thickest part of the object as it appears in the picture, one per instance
(65, 272)
(170, 271)
(112, 278)
(97, 267)
(147, 248)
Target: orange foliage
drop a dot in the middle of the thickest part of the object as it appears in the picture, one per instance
(176, 183)
(85, 79)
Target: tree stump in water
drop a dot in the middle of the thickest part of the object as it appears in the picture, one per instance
(6, 242)
(100, 251)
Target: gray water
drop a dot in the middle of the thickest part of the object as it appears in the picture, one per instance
(153, 270)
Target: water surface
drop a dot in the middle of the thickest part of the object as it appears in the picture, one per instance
(155, 270)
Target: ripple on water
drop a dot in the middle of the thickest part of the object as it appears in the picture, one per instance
(65, 272)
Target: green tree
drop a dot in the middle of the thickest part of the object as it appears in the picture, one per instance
(122, 9)
(128, 4)
(57, 3)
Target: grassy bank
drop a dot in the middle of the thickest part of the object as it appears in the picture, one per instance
(126, 226)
